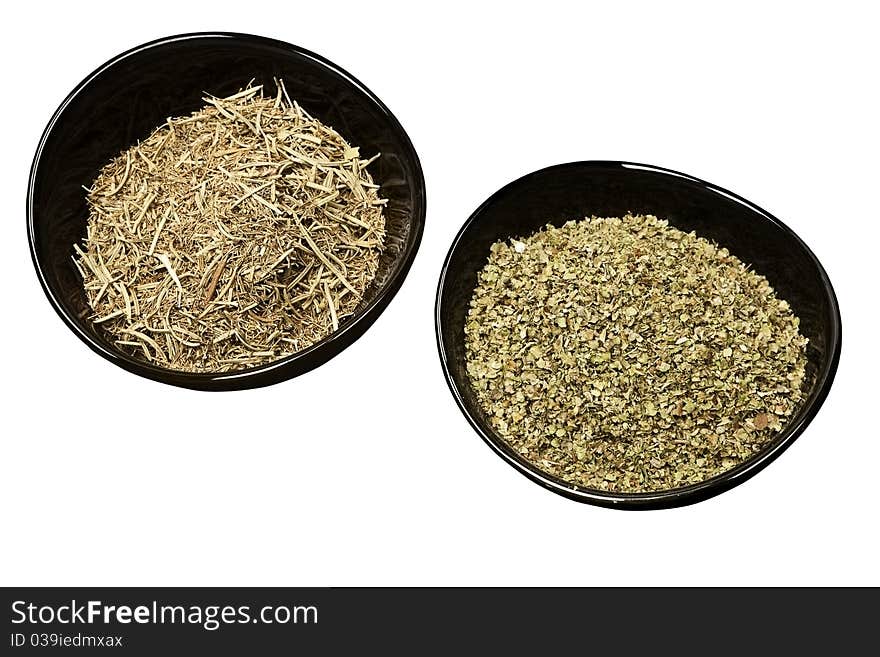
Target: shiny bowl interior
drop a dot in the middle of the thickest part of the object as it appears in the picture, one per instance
(128, 97)
(571, 191)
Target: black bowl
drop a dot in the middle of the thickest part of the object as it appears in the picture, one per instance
(131, 95)
(572, 191)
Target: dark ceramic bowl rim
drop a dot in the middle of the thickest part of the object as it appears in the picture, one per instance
(271, 372)
(677, 496)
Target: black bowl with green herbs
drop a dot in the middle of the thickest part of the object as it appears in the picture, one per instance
(633, 337)
(118, 106)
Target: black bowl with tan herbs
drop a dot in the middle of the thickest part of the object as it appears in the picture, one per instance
(222, 211)
(634, 337)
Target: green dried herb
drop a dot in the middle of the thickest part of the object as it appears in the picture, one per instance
(623, 354)
(232, 237)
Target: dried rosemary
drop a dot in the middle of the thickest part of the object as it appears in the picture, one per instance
(623, 354)
(232, 237)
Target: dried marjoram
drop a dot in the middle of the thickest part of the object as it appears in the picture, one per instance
(232, 237)
(623, 354)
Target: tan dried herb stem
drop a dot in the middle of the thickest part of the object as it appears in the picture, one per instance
(232, 237)
(623, 354)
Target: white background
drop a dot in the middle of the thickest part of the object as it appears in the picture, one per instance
(364, 472)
